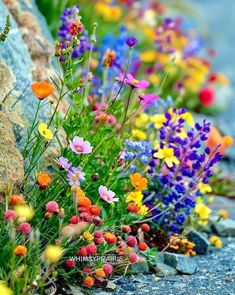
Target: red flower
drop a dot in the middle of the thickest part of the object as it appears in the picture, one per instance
(145, 227)
(75, 28)
(206, 96)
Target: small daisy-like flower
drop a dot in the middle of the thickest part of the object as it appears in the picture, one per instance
(76, 176)
(79, 146)
(134, 83)
(45, 131)
(63, 163)
(139, 182)
(107, 195)
(167, 154)
(42, 89)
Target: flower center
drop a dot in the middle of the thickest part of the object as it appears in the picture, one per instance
(135, 81)
(79, 148)
(105, 197)
(76, 176)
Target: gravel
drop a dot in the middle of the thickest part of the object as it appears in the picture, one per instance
(215, 276)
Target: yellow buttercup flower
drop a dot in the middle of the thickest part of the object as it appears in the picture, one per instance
(216, 241)
(24, 212)
(88, 236)
(135, 197)
(141, 120)
(53, 253)
(188, 119)
(148, 56)
(203, 211)
(204, 188)
(44, 131)
(154, 79)
(4, 290)
(182, 134)
(158, 120)
(143, 210)
(139, 134)
(167, 154)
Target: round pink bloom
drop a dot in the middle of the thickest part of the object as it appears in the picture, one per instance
(79, 146)
(107, 195)
(98, 234)
(146, 100)
(70, 263)
(52, 207)
(10, 215)
(24, 228)
(133, 258)
(107, 268)
(131, 241)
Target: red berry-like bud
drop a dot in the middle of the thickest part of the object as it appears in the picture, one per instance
(145, 227)
(133, 258)
(143, 246)
(107, 268)
(126, 228)
(74, 219)
(82, 251)
(95, 210)
(206, 96)
(70, 263)
(87, 270)
(131, 241)
(98, 234)
(99, 240)
(91, 249)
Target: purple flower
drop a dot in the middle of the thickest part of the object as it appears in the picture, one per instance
(76, 176)
(107, 195)
(131, 41)
(146, 100)
(79, 146)
(63, 163)
(130, 80)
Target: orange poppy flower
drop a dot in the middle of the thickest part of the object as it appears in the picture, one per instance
(215, 138)
(20, 250)
(139, 182)
(15, 200)
(43, 180)
(42, 89)
(84, 202)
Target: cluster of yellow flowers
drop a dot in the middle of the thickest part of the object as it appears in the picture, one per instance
(110, 13)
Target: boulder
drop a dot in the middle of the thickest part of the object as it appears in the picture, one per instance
(225, 228)
(181, 263)
(201, 243)
(164, 270)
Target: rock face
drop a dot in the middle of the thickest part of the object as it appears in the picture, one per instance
(201, 243)
(24, 57)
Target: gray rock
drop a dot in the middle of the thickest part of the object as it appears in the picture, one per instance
(181, 263)
(140, 267)
(164, 270)
(202, 244)
(129, 287)
(225, 228)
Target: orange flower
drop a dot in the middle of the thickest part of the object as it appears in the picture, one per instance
(95, 210)
(80, 192)
(139, 182)
(15, 200)
(84, 202)
(43, 180)
(215, 138)
(99, 272)
(20, 250)
(223, 213)
(88, 282)
(110, 238)
(133, 207)
(42, 89)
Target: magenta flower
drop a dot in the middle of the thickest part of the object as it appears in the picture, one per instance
(10, 215)
(63, 163)
(24, 228)
(147, 99)
(76, 176)
(52, 207)
(107, 195)
(130, 80)
(79, 146)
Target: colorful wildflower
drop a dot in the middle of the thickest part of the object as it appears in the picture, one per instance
(139, 182)
(20, 250)
(107, 195)
(216, 241)
(167, 154)
(53, 254)
(45, 131)
(131, 41)
(42, 89)
(63, 163)
(79, 146)
(75, 176)
(43, 180)
(134, 83)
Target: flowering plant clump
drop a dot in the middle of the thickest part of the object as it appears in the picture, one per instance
(113, 172)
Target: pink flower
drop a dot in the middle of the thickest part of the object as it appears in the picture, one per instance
(107, 195)
(130, 80)
(24, 228)
(79, 146)
(52, 207)
(10, 215)
(107, 268)
(147, 99)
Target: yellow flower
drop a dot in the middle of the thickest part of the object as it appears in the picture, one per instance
(210, 200)
(87, 236)
(158, 120)
(204, 188)
(53, 253)
(216, 241)
(44, 131)
(167, 154)
(139, 134)
(182, 134)
(223, 213)
(154, 79)
(188, 119)
(141, 120)
(148, 56)
(4, 290)
(24, 212)
(136, 197)
(143, 210)
(203, 211)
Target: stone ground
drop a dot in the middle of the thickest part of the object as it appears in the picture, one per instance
(215, 276)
